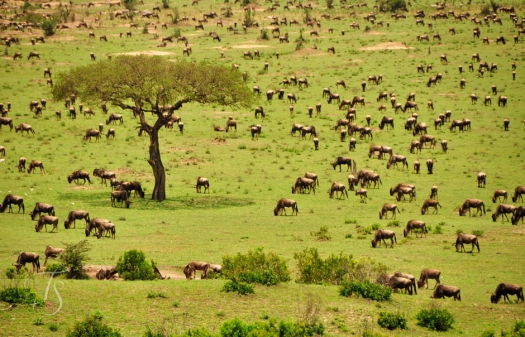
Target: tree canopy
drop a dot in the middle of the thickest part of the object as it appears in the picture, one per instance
(156, 85)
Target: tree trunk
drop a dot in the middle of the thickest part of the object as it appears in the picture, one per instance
(159, 191)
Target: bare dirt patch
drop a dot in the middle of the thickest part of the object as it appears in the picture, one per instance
(81, 187)
(241, 46)
(310, 52)
(387, 46)
(146, 52)
(169, 272)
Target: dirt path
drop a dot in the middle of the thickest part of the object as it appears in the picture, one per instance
(170, 273)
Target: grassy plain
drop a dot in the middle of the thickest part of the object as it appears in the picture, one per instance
(248, 177)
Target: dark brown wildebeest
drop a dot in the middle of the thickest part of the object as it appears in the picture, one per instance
(466, 238)
(430, 166)
(503, 210)
(34, 164)
(506, 123)
(472, 203)
(193, 266)
(21, 164)
(27, 257)
(396, 158)
(442, 291)
(502, 100)
(473, 98)
(339, 161)
(427, 139)
(427, 274)
(399, 282)
(131, 186)
(388, 208)
(338, 188)
(45, 220)
(498, 194)
(296, 127)
(77, 175)
(108, 228)
(12, 199)
(103, 175)
(395, 189)
(316, 143)
(382, 235)
(259, 111)
(505, 289)
(366, 131)
(415, 145)
(408, 277)
(310, 130)
(202, 182)
(456, 123)
(415, 224)
(231, 123)
(6, 121)
(430, 203)
(313, 176)
(482, 179)
(518, 192)
(111, 132)
(282, 204)
(420, 127)
(333, 97)
(76, 215)
(52, 252)
(444, 145)
(255, 130)
(368, 177)
(405, 190)
(33, 54)
(113, 118)
(24, 127)
(95, 224)
(17, 55)
(41, 207)
(302, 184)
(92, 133)
(386, 121)
(374, 150)
(120, 196)
(417, 166)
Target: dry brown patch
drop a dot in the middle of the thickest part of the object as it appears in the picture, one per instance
(241, 46)
(168, 272)
(81, 187)
(145, 52)
(309, 52)
(387, 46)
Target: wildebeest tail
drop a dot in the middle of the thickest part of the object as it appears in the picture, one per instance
(37, 262)
(296, 209)
(483, 205)
(395, 239)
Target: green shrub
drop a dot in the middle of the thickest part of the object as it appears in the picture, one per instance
(435, 319)
(394, 223)
(154, 294)
(165, 4)
(74, 258)
(437, 230)
(391, 5)
(175, 16)
(48, 27)
(367, 230)
(130, 4)
(264, 34)
(39, 321)
(20, 295)
(391, 321)
(256, 266)
(518, 330)
(53, 327)
(239, 328)
(376, 226)
(145, 29)
(459, 231)
(478, 232)
(322, 234)
(365, 289)
(92, 326)
(133, 266)
(240, 287)
(56, 268)
(488, 333)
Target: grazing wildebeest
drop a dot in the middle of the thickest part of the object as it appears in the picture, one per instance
(408, 277)
(352, 181)
(506, 123)
(108, 228)
(52, 252)
(21, 164)
(303, 183)
(12, 199)
(202, 182)
(430, 166)
(313, 176)
(444, 145)
(27, 257)
(386, 121)
(92, 133)
(518, 192)
(45, 220)
(131, 186)
(395, 189)
(519, 214)
(505, 289)
(382, 235)
(466, 238)
(41, 207)
(255, 130)
(430, 203)
(103, 175)
(76, 215)
(6, 121)
(417, 166)
(113, 118)
(193, 266)
(482, 179)
(415, 224)
(34, 164)
(370, 177)
(427, 139)
(310, 130)
(397, 159)
(24, 127)
(95, 223)
(120, 196)
(111, 132)
(498, 194)
(77, 175)
(399, 282)
(503, 210)
(442, 291)
(338, 187)
(282, 204)
(415, 145)
(296, 127)
(361, 192)
(420, 127)
(342, 161)
(427, 274)
(259, 111)
(388, 208)
(472, 203)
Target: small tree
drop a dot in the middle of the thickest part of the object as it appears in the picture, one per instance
(130, 4)
(248, 17)
(74, 258)
(435, 319)
(391, 5)
(176, 16)
(133, 266)
(92, 326)
(165, 4)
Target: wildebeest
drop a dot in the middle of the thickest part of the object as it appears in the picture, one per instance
(397, 158)
(202, 182)
(34, 164)
(430, 203)
(94, 223)
(193, 266)
(472, 203)
(399, 282)
(24, 127)
(113, 118)
(443, 291)
(302, 184)
(342, 161)
(6, 121)
(395, 189)
(420, 127)
(77, 175)
(370, 177)
(12, 199)
(388, 208)
(45, 220)
(430, 166)
(505, 289)
(361, 192)
(41, 207)
(386, 121)
(503, 210)
(466, 238)
(415, 224)
(120, 196)
(338, 187)
(408, 277)
(482, 179)
(427, 274)
(52, 252)
(131, 186)
(76, 215)
(310, 130)
(382, 235)
(27, 257)
(444, 145)
(92, 133)
(284, 203)
(498, 194)
(231, 123)
(103, 175)
(518, 192)
(519, 214)
(106, 227)
(313, 176)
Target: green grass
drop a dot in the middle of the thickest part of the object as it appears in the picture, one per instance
(248, 177)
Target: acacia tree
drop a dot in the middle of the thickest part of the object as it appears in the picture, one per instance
(156, 86)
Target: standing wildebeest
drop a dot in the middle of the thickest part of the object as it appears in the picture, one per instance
(409, 277)
(415, 145)
(397, 159)
(77, 175)
(108, 228)
(342, 161)
(482, 179)
(518, 193)
(193, 266)
(427, 274)
(120, 196)
(103, 175)
(52, 252)
(415, 224)
(386, 121)
(430, 203)
(369, 177)
(231, 123)
(202, 182)
(351, 144)
(310, 130)
(76, 215)
(302, 183)
(362, 193)
(382, 235)
(472, 203)
(420, 127)
(282, 204)
(388, 208)
(259, 110)
(427, 139)
(399, 282)
(406, 190)
(466, 238)
(296, 127)
(45, 220)
(130, 186)
(503, 210)
(395, 189)
(417, 166)
(113, 118)
(444, 145)
(430, 166)
(41, 207)
(24, 127)
(27, 257)
(12, 199)
(443, 291)
(6, 121)
(313, 176)
(33, 54)
(21, 164)
(95, 223)
(255, 130)
(338, 187)
(499, 193)
(505, 289)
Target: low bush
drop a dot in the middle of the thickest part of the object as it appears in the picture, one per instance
(56, 268)
(92, 326)
(518, 330)
(435, 319)
(20, 295)
(133, 266)
(478, 232)
(53, 327)
(365, 289)
(240, 287)
(488, 333)
(239, 328)
(391, 321)
(322, 234)
(74, 258)
(437, 230)
(154, 294)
